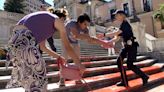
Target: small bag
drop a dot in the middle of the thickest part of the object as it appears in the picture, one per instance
(69, 71)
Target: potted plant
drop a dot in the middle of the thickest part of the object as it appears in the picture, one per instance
(159, 16)
(3, 54)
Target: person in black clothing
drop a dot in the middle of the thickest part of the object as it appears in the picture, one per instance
(129, 49)
(51, 43)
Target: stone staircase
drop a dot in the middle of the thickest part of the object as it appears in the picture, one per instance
(101, 75)
(86, 49)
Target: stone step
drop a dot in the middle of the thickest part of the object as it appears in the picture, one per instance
(54, 77)
(92, 49)
(83, 51)
(91, 54)
(50, 60)
(90, 72)
(13, 90)
(156, 86)
(97, 63)
(100, 81)
(101, 69)
(87, 63)
(97, 52)
(135, 85)
(85, 48)
(107, 80)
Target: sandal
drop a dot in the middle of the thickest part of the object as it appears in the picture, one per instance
(78, 82)
(62, 82)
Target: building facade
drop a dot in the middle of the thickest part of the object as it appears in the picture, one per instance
(91, 7)
(76, 7)
(144, 9)
(102, 12)
(73, 7)
(33, 5)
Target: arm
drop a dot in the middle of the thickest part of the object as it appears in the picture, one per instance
(111, 34)
(115, 39)
(79, 36)
(115, 32)
(47, 50)
(86, 37)
(60, 27)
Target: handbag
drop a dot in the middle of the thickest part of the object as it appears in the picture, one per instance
(107, 45)
(69, 71)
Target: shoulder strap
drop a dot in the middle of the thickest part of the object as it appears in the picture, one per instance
(60, 62)
(89, 88)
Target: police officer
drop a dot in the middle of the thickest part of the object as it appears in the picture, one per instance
(129, 49)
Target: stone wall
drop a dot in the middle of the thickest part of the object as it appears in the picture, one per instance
(147, 19)
(155, 47)
(7, 21)
(154, 44)
(139, 33)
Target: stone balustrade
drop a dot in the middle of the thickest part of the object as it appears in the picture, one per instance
(100, 28)
(155, 47)
(154, 44)
(139, 33)
(7, 21)
(10, 15)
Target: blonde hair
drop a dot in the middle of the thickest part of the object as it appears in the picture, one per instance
(59, 12)
(51, 9)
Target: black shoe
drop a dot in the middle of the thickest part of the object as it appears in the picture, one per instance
(120, 84)
(145, 80)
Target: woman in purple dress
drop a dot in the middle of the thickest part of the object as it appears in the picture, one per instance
(31, 32)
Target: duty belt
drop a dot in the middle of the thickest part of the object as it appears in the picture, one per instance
(130, 42)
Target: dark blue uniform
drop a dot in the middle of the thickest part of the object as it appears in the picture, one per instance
(129, 51)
